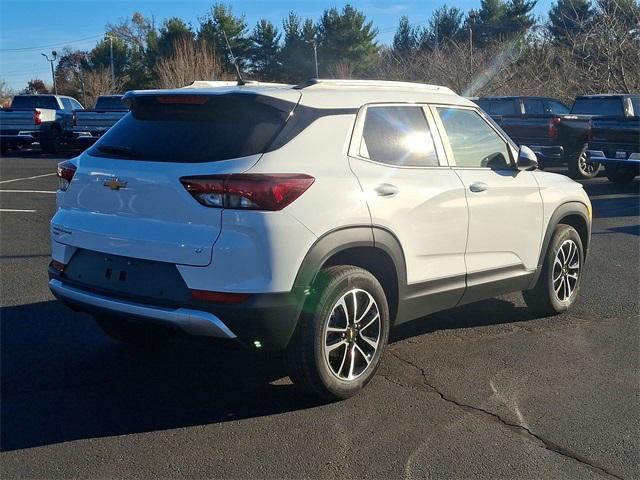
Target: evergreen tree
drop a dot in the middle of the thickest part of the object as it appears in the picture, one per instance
(346, 38)
(518, 17)
(488, 23)
(568, 18)
(265, 50)
(171, 30)
(405, 39)
(221, 19)
(445, 24)
(297, 51)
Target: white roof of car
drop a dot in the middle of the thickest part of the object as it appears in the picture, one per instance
(330, 93)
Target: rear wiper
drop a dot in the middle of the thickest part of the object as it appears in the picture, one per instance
(119, 151)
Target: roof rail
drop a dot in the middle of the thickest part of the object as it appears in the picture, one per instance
(232, 83)
(342, 83)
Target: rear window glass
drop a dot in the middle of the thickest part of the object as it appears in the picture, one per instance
(34, 101)
(533, 106)
(598, 106)
(210, 128)
(635, 101)
(503, 107)
(110, 103)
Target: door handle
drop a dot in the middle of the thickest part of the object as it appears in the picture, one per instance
(386, 190)
(478, 187)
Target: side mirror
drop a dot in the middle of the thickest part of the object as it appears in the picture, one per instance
(527, 160)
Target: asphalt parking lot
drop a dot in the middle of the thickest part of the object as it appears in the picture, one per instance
(482, 391)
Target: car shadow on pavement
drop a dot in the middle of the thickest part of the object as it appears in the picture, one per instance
(63, 379)
(612, 200)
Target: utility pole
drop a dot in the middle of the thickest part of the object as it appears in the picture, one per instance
(113, 73)
(54, 54)
(472, 21)
(315, 53)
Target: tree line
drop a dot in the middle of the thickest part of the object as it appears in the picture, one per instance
(581, 46)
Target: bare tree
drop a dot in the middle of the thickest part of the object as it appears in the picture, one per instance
(190, 60)
(99, 82)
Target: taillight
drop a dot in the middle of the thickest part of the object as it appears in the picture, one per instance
(248, 191)
(36, 117)
(552, 131)
(74, 119)
(218, 297)
(66, 170)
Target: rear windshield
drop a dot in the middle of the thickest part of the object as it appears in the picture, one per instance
(598, 106)
(110, 103)
(34, 101)
(201, 128)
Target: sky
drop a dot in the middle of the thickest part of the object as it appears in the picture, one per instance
(31, 27)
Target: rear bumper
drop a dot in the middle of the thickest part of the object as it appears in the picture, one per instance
(549, 154)
(631, 162)
(265, 321)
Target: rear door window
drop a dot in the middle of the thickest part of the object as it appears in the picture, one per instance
(555, 108)
(398, 136)
(598, 106)
(195, 128)
(110, 103)
(504, 107)
(533, 106)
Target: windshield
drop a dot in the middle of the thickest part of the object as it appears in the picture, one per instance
(195, 128)
(34, 101)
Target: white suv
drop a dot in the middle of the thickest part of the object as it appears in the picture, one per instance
(309, 219)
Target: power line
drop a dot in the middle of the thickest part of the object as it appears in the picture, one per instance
(51, 45)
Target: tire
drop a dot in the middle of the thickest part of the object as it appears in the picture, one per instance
(580, 168)
(53, 144)
(132, 333)
(620, 175)
(340, 372)
(556, 289)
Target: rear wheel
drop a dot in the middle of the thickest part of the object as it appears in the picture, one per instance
(341, 334)
(132, 333)
(620, 175)
(580, 168)
(559, 282)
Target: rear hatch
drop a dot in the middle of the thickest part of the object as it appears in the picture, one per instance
(126, 197)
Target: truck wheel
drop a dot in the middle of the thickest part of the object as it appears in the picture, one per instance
(580, 168)
(559, 282)
(620, 175)
(341, 334)
(131, 333)
(52, 145)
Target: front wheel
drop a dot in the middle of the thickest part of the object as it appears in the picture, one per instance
(341, 334)
(559, 282)
(580, 168)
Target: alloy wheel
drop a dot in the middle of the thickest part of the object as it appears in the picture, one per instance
(566, 270)
(352, 334)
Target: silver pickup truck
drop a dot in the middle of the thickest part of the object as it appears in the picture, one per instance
(90, 125)
(37, 118)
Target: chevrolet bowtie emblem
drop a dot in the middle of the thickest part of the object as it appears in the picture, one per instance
(115, 184)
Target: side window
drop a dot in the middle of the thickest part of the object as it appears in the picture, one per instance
(473, 142)
(504, 107)
(533, 106)
(555, 108)
(76, 105)
(397, 135)
(66, 104)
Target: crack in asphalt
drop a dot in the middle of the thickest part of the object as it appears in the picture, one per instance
(521, 429)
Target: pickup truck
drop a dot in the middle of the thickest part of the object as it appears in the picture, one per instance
(90, 125)
(615, 142)
(37, 118)
(530, 121)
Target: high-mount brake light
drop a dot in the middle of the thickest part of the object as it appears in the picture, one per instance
(269, 192)
(66, 171)
(182, 99)
(37, 119)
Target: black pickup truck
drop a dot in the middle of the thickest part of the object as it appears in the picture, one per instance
(605, 130)
(531, 121)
